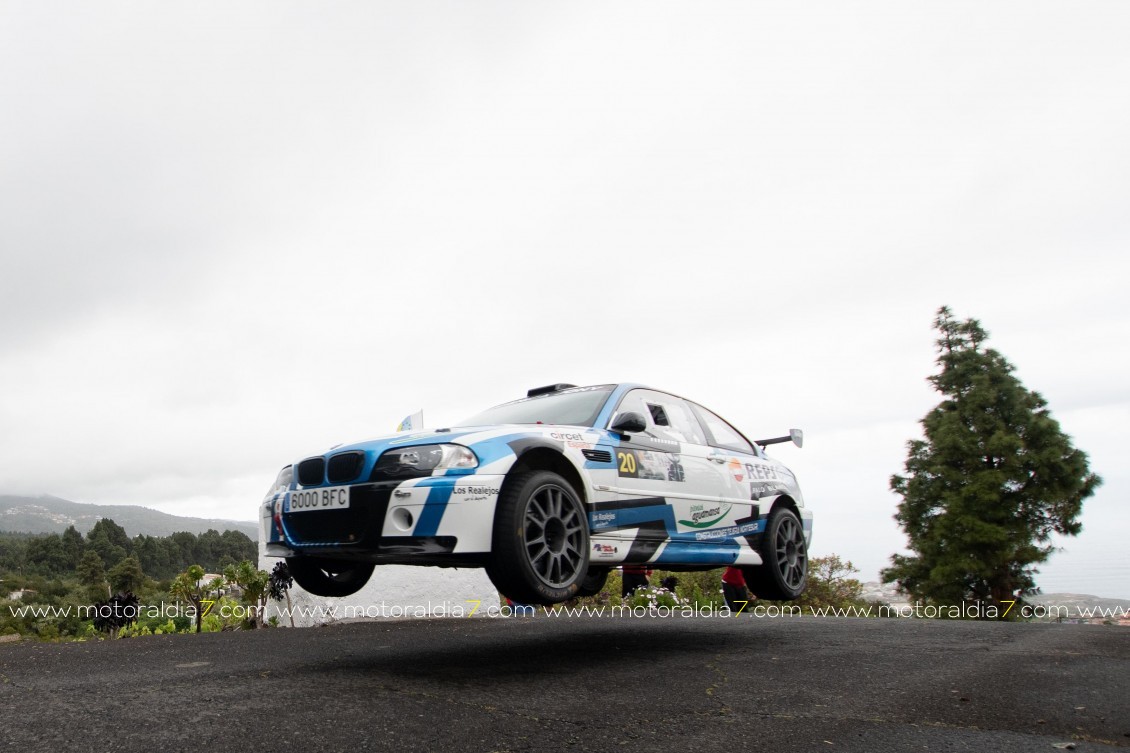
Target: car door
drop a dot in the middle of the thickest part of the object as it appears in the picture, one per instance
(750, 478)
(669, 480)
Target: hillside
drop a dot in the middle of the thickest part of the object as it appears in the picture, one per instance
(52, 515)
(889, 594)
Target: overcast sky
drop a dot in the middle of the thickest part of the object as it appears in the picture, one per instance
(234, 234)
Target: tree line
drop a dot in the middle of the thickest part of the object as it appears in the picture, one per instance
(107, 546)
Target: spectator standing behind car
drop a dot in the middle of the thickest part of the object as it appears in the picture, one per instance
(517, 609)
(734, 590)
(635, 577)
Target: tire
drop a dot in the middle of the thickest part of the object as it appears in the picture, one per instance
(327, 577)
(784, 553)
(594, 581)
(540, 550)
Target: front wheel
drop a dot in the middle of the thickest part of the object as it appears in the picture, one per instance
(327, 577)
(541, 538)
(784, 554)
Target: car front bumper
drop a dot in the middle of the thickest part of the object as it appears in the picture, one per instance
(431, 520)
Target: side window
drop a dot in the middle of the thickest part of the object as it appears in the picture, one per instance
(667, 416)
(633, 403)
(722, 434)
(673, 419)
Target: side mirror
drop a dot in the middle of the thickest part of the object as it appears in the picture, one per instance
(628, 423)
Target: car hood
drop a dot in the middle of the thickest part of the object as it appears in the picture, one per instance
(408, 439)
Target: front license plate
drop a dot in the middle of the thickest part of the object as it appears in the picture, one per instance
(330, 498)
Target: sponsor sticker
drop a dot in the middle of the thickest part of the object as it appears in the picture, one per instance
(760, 471)
(730, 532)
(627, 464)
(704, 516)
(737, 469)
(477, 490)
(603, 519)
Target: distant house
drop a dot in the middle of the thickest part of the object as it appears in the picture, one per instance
(19, 594)
(228, 589)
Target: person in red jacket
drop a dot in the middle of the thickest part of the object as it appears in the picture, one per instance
(734, 590)
(635, 576)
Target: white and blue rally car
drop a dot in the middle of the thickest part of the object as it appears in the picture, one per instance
(548, 493)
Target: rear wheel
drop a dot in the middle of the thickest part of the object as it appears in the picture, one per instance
(594, 581)
(541, 537)
(784, 553)
(327, 577)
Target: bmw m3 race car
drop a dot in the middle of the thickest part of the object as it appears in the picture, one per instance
(548, 493)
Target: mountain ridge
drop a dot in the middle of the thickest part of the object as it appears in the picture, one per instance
(49, 514)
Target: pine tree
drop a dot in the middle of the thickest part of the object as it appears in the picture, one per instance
(110, 541)
(992, 480)
(92, 574)
(127, 576)
(73, 546)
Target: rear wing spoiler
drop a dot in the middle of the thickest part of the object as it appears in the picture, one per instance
(796, 436)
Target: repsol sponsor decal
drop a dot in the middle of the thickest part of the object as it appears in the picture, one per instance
(761, 471)
(704, 516)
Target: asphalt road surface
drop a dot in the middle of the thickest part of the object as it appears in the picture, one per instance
(597, 684)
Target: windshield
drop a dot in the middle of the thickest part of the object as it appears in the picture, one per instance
(575, 407)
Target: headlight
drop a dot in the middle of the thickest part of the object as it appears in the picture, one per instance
(282, 483)
(412, 462)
